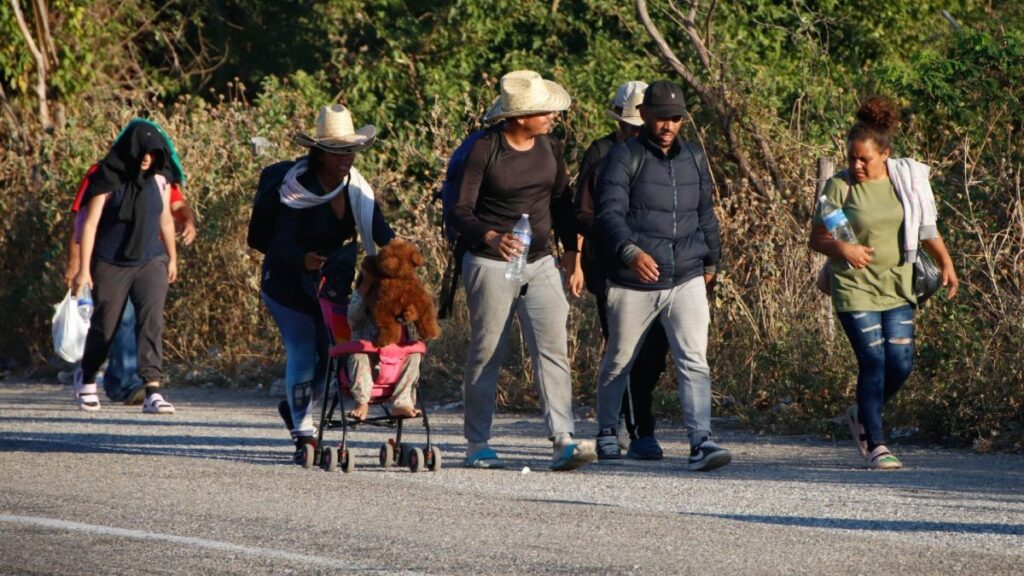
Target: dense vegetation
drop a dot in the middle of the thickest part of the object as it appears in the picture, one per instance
(771, 87)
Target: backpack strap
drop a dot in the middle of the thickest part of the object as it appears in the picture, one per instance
(637, 155)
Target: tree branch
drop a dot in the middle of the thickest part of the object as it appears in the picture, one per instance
(666, 50)
(40, 58)
(714, 97)
(43, 23)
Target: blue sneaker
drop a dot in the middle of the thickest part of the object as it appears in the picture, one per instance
(645, 448)
(608, 446)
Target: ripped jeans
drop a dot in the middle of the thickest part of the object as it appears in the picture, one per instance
(884, 345)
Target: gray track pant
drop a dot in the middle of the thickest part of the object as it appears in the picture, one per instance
(683, 311)
(543, 312)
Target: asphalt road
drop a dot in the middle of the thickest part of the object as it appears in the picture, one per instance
(209, 490)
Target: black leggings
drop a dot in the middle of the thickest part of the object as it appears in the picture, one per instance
(146, 285)
(638, 400)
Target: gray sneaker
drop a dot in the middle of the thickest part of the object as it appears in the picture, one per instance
(608, 446)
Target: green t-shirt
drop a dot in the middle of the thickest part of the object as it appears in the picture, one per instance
(876, 215)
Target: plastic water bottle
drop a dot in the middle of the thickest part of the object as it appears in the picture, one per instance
(515, 271)
(835, 220)
(85, 303)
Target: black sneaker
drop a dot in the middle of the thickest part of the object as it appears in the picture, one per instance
(707, 456)
(608, 445)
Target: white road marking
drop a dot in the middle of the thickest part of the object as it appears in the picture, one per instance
(195, 542)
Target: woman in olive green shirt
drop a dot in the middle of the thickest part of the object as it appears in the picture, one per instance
(872, 279)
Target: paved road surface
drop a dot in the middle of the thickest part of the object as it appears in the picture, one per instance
(208, 491)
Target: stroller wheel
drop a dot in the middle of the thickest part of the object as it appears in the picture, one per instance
(416, 463)
(434, 459)
(387, 455)
(348, 461)
(308, 455)
(329, 459)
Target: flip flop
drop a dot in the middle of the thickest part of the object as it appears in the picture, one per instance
(484, 458)
(574, 456)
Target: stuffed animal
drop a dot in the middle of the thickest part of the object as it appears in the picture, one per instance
(398, 296)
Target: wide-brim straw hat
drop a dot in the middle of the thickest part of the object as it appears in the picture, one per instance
(628, 98)
(524, 92)
(336, 133)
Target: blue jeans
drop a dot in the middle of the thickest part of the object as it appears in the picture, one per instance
(305, 346)
(884, 345)
(121, 377)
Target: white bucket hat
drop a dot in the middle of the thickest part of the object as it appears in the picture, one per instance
(524, 92)
(628, 98)
(336, 133)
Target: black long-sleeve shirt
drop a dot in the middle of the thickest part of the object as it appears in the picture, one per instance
(531, 182)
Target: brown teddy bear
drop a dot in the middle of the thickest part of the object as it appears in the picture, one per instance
(397, 295)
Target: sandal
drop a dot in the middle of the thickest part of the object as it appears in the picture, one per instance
(86, 394)
(484, 458)
(881, 459)
(857, 431)
(155, 404)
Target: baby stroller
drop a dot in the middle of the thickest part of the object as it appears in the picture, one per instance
(390, 359)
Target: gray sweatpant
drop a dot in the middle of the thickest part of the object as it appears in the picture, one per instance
(543, 312)
(684, 313)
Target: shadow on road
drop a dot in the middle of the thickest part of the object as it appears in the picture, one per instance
(874, 525)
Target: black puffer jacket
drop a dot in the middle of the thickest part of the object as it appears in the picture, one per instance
(668, 214)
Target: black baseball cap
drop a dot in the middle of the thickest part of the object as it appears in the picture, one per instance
(664, 99)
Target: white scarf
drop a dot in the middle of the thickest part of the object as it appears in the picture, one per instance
(910, 179)
(295, 195)
(360, 196)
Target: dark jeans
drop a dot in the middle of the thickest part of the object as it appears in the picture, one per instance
(146, 286)
(121, 378)
(884, 345)
(638, 400)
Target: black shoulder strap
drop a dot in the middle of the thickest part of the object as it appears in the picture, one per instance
(697, 153)
(637, 154)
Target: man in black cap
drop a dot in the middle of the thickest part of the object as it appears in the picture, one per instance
(661, 235)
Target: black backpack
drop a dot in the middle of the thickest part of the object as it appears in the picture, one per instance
(266, 205)
(448, 194)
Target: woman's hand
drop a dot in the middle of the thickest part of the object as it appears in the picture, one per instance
(573, 273)
(72, 270)
(950, 280)
(507, 245)
(83, 278)
(937, 248)
(172, 270)
(314, 261)
(858, 255)
(188, 233)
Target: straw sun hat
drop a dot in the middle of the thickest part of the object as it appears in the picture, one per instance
(524, 92)
(336, 133)
(628, 98)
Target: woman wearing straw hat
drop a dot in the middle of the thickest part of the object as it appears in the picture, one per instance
(526, 176)
(328, 207)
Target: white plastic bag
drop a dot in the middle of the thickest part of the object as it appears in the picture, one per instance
(69, 329)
